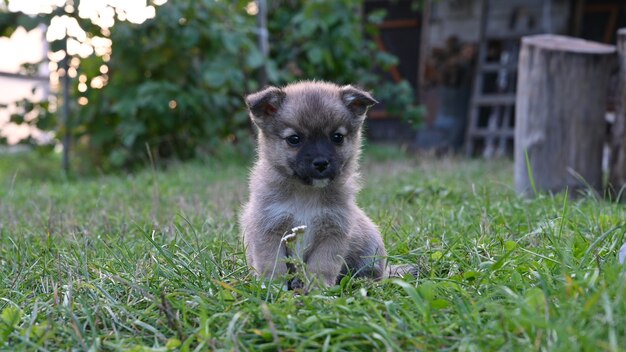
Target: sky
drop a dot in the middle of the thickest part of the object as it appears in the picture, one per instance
(30, 46)
(135, 10)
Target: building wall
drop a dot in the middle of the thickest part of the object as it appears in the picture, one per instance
(461, 18)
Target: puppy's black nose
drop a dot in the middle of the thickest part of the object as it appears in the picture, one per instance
(320, 164)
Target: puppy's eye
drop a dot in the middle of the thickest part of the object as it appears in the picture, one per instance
(337, 138)
(293, 140)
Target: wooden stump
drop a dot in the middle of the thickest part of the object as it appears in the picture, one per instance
(617, 165)
(560, 113)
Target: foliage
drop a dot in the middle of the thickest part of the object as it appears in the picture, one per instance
(173, 85)
(324, 40)
(330, 40)
(154, 262)
(10, 21)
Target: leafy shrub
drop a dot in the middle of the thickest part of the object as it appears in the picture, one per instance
(330, 40)
(173, 85)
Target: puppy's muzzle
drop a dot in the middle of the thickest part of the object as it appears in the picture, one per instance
(321, 168)
(321, 164)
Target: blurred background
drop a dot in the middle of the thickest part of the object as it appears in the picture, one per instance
(114, 84)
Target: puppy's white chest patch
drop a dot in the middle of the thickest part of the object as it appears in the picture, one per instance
(320, 183)
(303, 212)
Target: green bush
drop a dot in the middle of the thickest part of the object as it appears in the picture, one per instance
(330, 40)
(175, 83)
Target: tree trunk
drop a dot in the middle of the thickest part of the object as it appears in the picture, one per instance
(560, 113)
(617, 165)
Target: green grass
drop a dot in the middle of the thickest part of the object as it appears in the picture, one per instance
(153, 261)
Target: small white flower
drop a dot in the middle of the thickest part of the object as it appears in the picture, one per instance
(288, 237)
(299, 230)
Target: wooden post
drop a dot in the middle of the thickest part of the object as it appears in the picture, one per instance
(560, 113)
(617, 165)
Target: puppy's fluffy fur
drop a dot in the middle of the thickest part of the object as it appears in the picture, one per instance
(306, 173)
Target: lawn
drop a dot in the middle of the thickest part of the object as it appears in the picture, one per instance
(153, 261)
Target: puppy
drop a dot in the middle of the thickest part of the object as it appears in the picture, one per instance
(306, 173)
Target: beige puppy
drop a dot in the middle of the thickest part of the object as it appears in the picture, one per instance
(309, 143)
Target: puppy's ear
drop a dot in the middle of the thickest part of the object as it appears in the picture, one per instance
(356, 100)
(265, 104)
